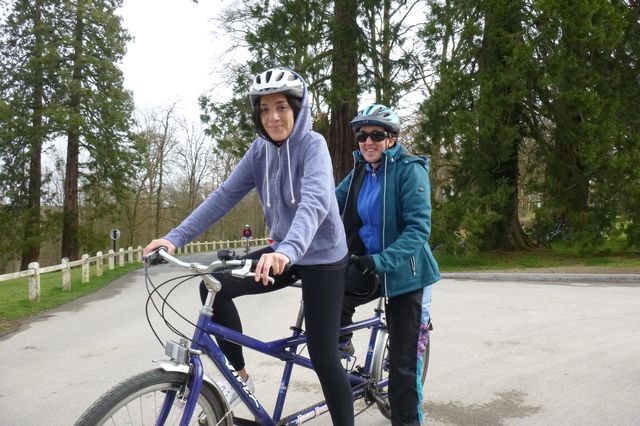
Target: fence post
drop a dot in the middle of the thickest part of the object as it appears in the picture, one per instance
(121, 257)
(86, 274)
(129, 254)
(66, 274)
(139, 253)
(112, 261)
(99, 261)
(34, 282)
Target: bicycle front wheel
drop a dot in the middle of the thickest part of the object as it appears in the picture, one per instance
(139, 401)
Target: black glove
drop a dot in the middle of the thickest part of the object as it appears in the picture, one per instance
(365, 264)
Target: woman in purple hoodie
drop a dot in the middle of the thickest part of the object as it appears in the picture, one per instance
(290, 167)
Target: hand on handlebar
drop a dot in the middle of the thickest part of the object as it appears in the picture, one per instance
(276, 262)
(150, 257)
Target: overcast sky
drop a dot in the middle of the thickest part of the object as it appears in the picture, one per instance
(173, 54)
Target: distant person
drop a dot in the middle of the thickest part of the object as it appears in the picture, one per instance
(290, 167)
(386, 207)
(246, 232)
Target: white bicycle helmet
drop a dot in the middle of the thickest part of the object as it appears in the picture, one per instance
(379, 115)
(276, 80)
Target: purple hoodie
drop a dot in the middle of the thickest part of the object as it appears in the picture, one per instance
(297, 191)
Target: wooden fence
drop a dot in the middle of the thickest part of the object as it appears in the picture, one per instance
(121, 257)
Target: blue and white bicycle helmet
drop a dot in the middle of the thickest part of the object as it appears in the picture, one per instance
(276, 80)
(377, 115)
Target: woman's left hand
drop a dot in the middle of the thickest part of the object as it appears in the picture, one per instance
(270, 261)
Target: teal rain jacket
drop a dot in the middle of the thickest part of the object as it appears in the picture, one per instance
(405, 263)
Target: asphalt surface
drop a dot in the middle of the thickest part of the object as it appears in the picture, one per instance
(505, 351)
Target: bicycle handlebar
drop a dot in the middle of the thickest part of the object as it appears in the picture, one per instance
(244, 270)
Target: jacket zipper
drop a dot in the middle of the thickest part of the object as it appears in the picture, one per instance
(384, 205)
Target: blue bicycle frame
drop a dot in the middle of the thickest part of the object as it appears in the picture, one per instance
(283, 349)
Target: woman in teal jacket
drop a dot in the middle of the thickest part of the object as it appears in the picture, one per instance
(386, 209)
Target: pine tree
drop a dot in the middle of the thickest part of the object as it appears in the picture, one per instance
(28, 81)
(476, 113)
(99, 112)
(587, 94)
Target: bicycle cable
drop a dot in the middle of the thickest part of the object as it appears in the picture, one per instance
(153, 289)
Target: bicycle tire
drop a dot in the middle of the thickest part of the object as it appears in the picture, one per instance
(137, 401)
(380, 368)
(545, 243)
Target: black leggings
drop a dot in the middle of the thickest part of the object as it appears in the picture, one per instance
(322, 293)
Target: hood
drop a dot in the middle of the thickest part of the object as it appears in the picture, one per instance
(302, 124)
(301, 127)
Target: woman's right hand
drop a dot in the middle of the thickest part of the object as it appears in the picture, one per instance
(156, 244)
(276, 262)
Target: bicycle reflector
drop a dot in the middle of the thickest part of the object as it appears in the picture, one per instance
(176, 351)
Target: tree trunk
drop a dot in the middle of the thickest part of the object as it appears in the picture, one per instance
(344, 81)
(499, 137)
(568, 185)
(31, 231)
(71, 222)
(164, 147)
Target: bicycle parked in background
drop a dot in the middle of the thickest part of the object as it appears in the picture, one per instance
(179, 391)
(560, 231)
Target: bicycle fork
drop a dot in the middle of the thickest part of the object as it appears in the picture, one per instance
(188, 394)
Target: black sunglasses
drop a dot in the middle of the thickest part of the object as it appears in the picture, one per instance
(376, 136)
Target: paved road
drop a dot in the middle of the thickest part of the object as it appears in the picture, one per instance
(503, 353)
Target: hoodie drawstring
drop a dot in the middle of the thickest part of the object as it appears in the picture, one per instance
(266, 160)
(266, 168)
(293, 198)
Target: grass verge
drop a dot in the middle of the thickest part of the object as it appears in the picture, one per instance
(532, 259)
(15, 306)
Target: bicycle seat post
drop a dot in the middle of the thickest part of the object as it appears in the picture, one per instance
(300, 318)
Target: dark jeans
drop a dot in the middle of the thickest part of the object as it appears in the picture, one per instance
(322, 293)
(404, 318)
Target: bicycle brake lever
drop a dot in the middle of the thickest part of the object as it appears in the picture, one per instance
(245, 272)
(154, 257)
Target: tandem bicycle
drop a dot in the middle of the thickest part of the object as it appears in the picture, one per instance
(179, 392)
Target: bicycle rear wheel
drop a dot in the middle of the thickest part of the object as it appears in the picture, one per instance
(380, 368)
(139, 400)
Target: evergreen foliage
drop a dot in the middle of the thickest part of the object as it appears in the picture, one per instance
(526, 108)
(554, 76)
(60, 78)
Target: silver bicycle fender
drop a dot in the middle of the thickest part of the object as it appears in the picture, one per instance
(173, 366)
(377, 362)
